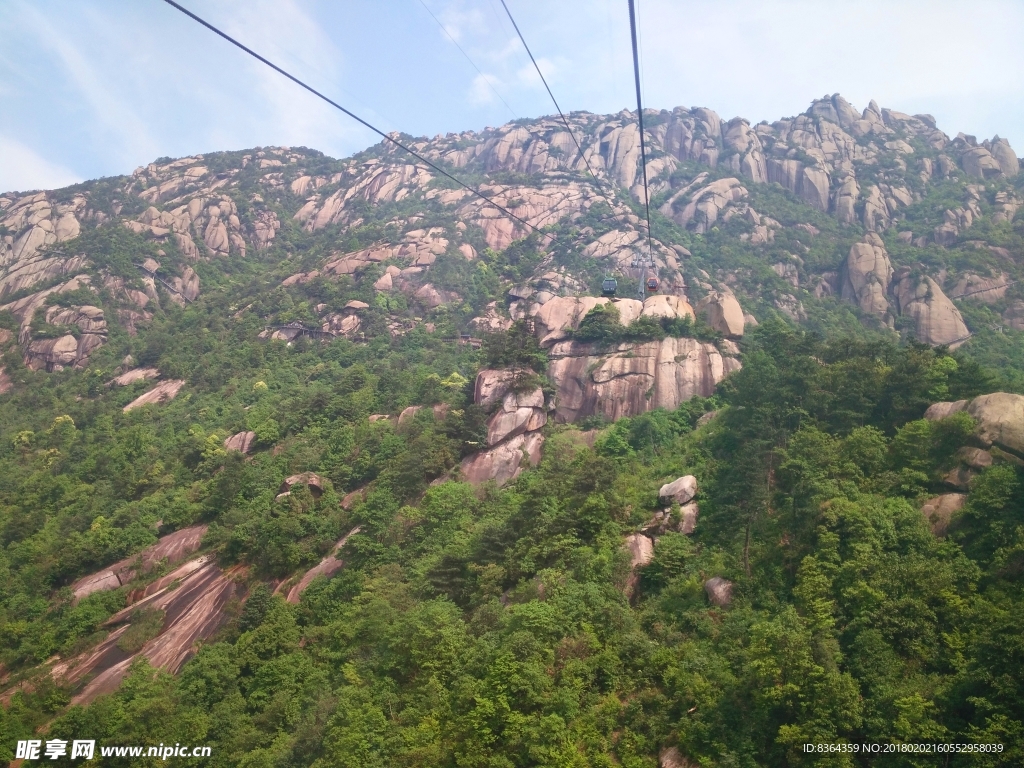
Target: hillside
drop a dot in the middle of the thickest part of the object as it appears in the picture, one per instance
(370, 473)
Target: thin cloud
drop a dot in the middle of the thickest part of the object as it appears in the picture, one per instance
(23, 169)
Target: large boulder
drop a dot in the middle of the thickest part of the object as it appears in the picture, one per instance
(491, 386)
(666, 305)
(979, 163)
(1005, 157)
(161, 393)
(563, 314)
(723, 313)
(937, 319)
(866, 275)
(939, 510)
(679, 491)
(503, 463)
(719, 591)
(1000, 420)
(520, 412)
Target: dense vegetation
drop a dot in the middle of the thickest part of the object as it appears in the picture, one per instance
(491, 628)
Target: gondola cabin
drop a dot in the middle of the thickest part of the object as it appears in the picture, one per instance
(609, 286)
(652, 284)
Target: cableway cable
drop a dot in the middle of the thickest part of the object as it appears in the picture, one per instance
(643, 146)
(548, 87)
(354, 116)
(456, 42)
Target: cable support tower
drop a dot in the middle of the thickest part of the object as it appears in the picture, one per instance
(354, 116)
(643, 151)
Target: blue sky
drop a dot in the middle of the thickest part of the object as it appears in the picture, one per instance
(89, 89)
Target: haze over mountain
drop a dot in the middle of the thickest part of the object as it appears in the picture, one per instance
(370, 472)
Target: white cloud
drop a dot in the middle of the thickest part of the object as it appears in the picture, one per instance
(23, 168)
(482, 88)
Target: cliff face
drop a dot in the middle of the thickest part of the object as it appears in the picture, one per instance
(633, 378)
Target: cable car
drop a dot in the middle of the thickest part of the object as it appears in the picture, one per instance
(652, 284)
(609, 286)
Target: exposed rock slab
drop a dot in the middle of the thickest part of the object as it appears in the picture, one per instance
(723, 313)
(503, 463)
(240, 441)
(161, 393)
(633, 378)
(520, 412)
(326, 567)
(172, 548)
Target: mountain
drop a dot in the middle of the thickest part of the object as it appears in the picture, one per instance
(330, 461)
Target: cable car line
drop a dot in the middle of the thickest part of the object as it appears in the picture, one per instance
(536, 66)
(643, 146)
(354, 116)
(456, 42)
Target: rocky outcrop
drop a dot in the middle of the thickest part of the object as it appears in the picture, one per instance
(633, 378)
(171, 549)
(161, 393)
(866, 276)
(723, 313)
(937, 319)
(192, 600)
(327, 567)
(311, 480)
(1000, 417)
(503, 463)
(940, 510)
(241, 442)
(719, 591)
(520, 412)
(136, 374)
(979, 163)
(679, 491)
(1000, 421)
(987, 290)
(700, 210)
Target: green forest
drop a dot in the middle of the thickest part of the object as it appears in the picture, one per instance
(342, 314)
(491, 629)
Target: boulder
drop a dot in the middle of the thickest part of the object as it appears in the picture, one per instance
(866, 275)
(939, 510)
(666, 305)
(503, 463)
(719, 591)
(241, 442)
(939, 411)
(988, 290)
(520, 412)
(1005, 157)
(561, 315)
(491, 386)
(311, 480)
(723, 313)
(937, 319)
(161, 393)
(1000, 421)
(641, 550)
(672, 758)
(979, 163)
(688, 517)
(680, 490)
